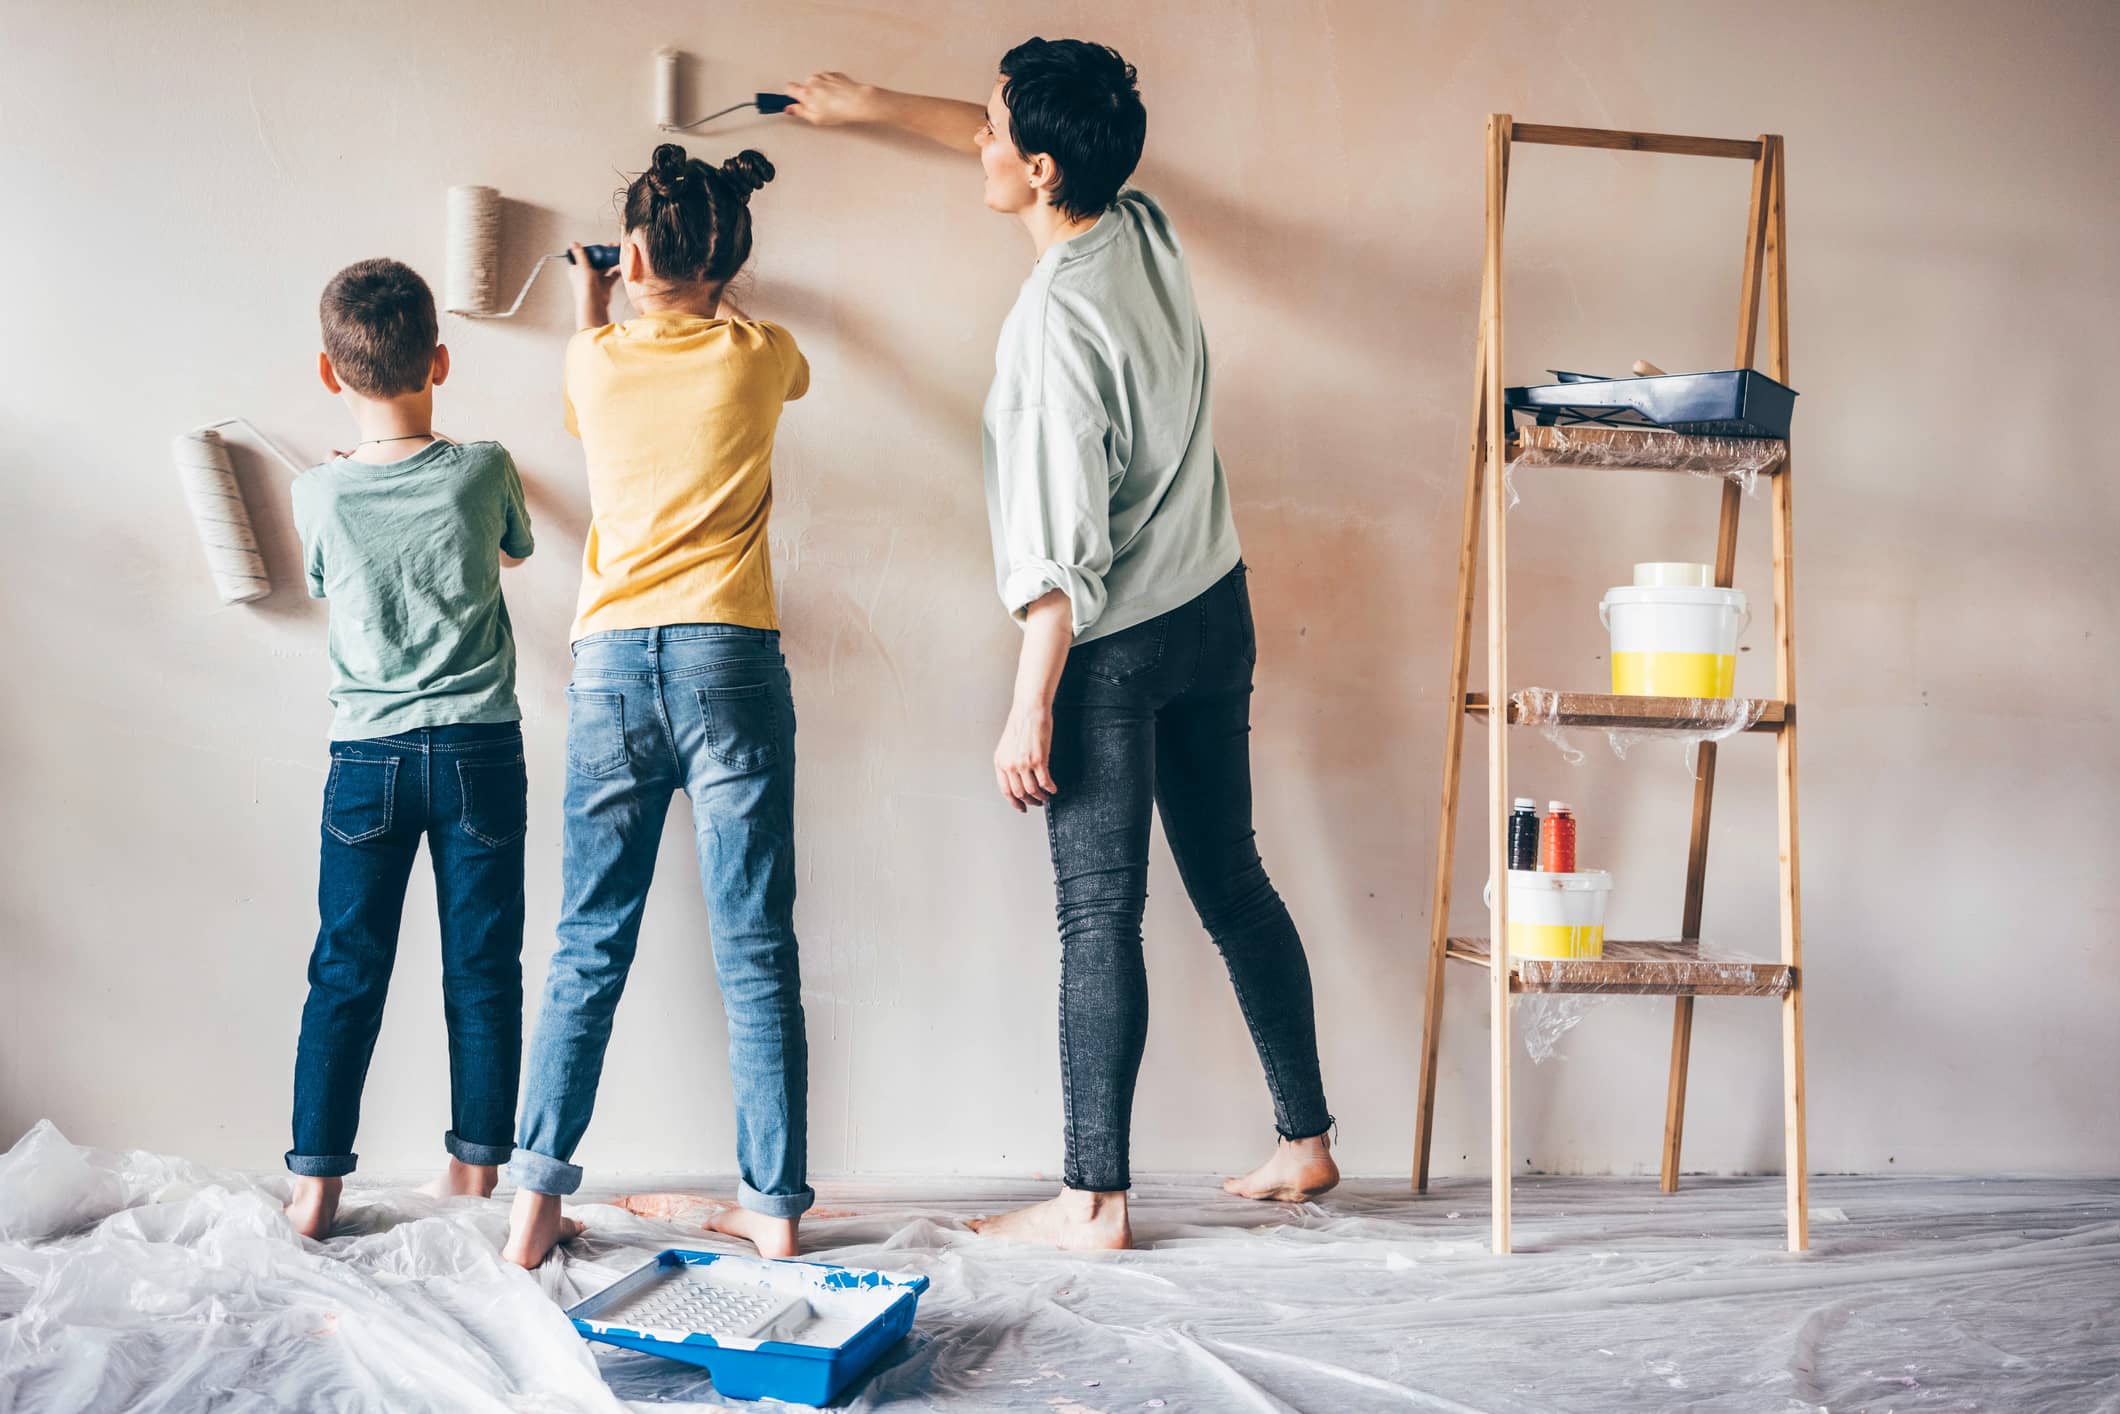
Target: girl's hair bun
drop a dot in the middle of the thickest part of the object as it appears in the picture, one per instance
(669, 168)
(746, 172)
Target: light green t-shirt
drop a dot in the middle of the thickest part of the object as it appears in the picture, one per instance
(408, 553)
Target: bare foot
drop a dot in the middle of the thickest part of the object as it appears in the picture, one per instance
(1299, 1171)
(773, 1237)
(314, 1204)
(462, 1180)
(1076, 1221)
(535, 1227)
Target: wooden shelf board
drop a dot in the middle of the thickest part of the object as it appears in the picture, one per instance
(1598, 709)
(1622, 140)
(1614, 449)
(1646, 968)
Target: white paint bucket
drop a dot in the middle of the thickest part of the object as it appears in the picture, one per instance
(1556, 915)
(1673, 634)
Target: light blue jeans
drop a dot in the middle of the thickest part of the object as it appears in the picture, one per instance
(705, 709)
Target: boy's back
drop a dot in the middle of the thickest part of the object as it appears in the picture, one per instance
(407, 553)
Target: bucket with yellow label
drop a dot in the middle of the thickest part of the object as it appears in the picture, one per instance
(1671, 638)
(1557, 915)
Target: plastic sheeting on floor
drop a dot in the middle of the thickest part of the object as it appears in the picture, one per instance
(130, 1281)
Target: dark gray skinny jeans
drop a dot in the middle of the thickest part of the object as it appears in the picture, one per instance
(1161, 712)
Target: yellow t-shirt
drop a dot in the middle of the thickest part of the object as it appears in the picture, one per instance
(676, 415)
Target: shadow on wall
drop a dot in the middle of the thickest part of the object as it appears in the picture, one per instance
(268, 499)
(1264, 238)
(1331, 666)
(873, 349)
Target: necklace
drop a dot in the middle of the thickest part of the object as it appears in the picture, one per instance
(379, 441)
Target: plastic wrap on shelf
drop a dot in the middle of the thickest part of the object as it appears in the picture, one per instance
(1631, 968)
(1653, 967)
(1741, 459)
(1541, 1019)
(1695, 720)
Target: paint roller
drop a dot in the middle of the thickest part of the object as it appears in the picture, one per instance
(208, 476)
(666, 83)
(471, 271)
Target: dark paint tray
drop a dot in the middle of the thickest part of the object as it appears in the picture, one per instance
(1737, 402)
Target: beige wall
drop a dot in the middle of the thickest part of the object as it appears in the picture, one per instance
(181, 180)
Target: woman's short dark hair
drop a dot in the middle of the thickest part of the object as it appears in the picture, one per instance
(695, 219)
(1076, 102)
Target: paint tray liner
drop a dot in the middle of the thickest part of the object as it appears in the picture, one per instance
(796, 1331)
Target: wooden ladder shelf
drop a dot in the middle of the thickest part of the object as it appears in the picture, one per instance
(1628, 968)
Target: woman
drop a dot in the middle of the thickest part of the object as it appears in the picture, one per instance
(678, 684)
(1115, 549)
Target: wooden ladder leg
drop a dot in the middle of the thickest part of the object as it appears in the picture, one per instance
(1499, 127)
(1792, 1068)
(1675, 1094)
(1453, 772)
(1704, 784)
(1696, 870)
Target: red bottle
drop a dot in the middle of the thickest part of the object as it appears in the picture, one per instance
(1556, 839)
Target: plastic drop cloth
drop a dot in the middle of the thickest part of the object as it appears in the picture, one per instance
(129, 1281)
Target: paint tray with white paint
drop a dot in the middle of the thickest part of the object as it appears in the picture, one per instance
(796, 1331)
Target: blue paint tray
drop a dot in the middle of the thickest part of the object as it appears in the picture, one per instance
(798, 1331)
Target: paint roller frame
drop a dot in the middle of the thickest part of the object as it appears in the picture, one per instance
(668, 60)
(471, 269)
(218, 512)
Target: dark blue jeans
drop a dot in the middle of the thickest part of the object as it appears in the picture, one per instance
(463, 789)
(1160, 714)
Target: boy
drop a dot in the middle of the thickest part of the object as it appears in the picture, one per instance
(405, 535)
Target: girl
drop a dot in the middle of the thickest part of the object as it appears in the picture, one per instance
(678, 684)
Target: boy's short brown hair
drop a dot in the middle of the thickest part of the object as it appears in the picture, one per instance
(379, 328)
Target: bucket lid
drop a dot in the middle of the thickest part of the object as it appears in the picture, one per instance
(1672, 574)
(1582, 880)
(1650, 594)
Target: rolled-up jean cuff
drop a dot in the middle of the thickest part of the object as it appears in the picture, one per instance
(1318, 1133)
(466, 1152)
(541, 1174)
(774, 1205)
(321, 1165)
(1124, 1185)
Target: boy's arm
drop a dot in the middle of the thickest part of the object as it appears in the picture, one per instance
(516, 540)
(309, 532)
(833, 100)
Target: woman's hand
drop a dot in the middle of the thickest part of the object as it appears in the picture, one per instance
(1023, 760)
(832, 100)
(592, 289)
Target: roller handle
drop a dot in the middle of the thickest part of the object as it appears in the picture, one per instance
(775, 102)
(601, 257)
